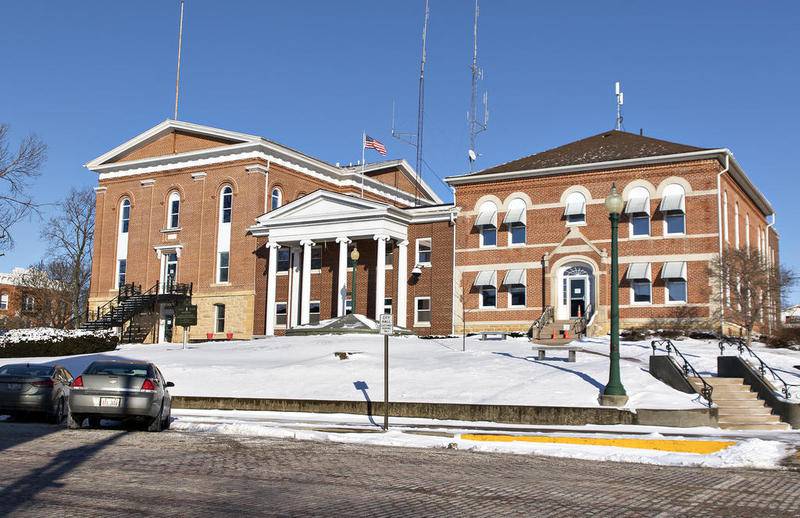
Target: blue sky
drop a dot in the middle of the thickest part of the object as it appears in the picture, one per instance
(87, 75)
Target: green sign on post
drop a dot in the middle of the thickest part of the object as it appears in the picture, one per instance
(186, 315)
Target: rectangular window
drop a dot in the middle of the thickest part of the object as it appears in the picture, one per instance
(676, 290)
(316, 258)
(284, 256)
(122, 266)
(174, 213)
(313, 312)
(4, 301)
(126, 217)
(227, 207)
(389, 253)
(488, 236)
(219, 318)
(280, 314)
(387, 305)
(488, 297)
(516, 233)
(576, 218)
(224, 267)
(424, 251)
(516, 296)
(640, 225)
(348, 306)
(675, 222)
(641, 291)
(422, 311)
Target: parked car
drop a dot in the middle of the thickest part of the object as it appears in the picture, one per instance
(29, 388)
(120, 390)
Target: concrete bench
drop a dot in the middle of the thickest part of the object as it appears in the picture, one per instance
(496, 335)
(543, 349)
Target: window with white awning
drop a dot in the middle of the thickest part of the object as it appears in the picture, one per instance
(514, 278)
(487, 215)
(674, 270)
(638, 201)
(639, 271)
(486, 278)
(673, 199)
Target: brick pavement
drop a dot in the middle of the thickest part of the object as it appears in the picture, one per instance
(47, 471)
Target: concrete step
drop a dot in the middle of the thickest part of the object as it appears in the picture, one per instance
(755, 419)
(745, 404)
(715, 381)
(741, 411)
(751, 426)
(727, 389)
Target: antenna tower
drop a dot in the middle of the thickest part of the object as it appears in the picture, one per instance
(178, 72)
(476, 126)
(415, 139)
(620, 102)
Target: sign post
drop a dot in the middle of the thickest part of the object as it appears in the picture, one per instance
(386, 329)
(186, 317)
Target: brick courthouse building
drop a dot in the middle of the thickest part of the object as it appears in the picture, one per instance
(264, 233)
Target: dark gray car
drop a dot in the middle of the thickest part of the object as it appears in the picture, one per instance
(120, 390)
(29, 388)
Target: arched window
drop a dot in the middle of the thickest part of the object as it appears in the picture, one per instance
(638, 210)
(516, 221)
(28, 303)
(487, 224)
(3, 301)
(736, 224)
(226, 204)
(725, 216)
(673, 205)
(276, 199)
(174, 210)
(575, 209)
(747, 230)
(124, 216)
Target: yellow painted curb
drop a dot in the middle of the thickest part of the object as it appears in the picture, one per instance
(678, 446)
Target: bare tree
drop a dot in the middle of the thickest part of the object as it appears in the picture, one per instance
(49, 301)
(17, 169)
(70, 234)
(750, 288)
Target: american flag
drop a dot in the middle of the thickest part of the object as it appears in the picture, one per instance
(371, 143)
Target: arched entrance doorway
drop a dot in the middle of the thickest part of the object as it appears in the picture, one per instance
(576, 290)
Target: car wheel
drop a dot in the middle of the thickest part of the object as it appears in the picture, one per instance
(74, 422)
(167, 420)
(94, 422)
(157, 424)
(57, 417)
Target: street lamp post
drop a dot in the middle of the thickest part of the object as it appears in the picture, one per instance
(614, 393)
(354, 255)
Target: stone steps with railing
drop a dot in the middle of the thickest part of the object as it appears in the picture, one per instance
(738, 407)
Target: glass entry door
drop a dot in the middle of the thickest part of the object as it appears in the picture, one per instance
(577, 297)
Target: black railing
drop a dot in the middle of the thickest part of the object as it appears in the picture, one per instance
(742, 347)
(686, 368)
(543, 320)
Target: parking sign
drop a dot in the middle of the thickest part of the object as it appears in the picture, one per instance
(386, 324)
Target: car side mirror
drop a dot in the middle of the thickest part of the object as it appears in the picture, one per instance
(169, 384)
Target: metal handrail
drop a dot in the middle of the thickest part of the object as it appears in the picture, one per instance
(707, 389)
(545, 318)
(741, 347)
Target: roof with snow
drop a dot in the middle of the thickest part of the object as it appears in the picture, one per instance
(603, 147)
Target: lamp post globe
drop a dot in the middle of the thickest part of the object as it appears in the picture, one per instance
(614, 392)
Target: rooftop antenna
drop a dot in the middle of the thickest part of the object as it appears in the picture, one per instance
(620, 102)
(415, 139)
(476, 126)
(178, 73)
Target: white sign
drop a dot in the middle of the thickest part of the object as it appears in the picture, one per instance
(386, 324)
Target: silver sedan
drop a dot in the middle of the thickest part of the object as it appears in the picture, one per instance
(29, 388)
(120, 390)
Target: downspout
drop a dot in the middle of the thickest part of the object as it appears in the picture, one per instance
(719, 238)
(771, 265)
(453, 283)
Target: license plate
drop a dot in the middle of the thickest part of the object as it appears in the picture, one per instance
(109, 401)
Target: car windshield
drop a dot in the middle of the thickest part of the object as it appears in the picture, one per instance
(119, 369)
(26, 370)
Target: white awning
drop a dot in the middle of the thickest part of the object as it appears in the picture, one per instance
(674, 270)
(486, 278)
(638, 205)
(486, 218)
(515, 215)
(637, 271)
(574, 208)
(673, 202)
(514, 278)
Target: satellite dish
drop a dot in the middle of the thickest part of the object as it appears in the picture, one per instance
(472, 156)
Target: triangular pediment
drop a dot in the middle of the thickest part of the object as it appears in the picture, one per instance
(322, 204)
(575, 241)
(170, 138)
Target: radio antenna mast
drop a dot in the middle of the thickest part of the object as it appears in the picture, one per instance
(620, 102)
(178, 73)
(475, 126)
(415, 139)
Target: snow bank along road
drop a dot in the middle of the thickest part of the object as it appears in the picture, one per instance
(101, 472)
(489, 372)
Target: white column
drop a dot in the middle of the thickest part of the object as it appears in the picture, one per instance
(380, 275)
(293, 306)
(305, 304)
(272, 271)
(402, 283)
(342, 278)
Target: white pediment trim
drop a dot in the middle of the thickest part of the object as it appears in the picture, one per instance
(324, 204)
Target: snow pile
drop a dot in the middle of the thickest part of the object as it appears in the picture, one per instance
(48, 334)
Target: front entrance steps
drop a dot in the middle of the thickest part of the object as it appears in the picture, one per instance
(554, 334)
(739, 407)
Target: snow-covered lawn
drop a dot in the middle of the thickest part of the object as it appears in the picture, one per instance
(501, 372)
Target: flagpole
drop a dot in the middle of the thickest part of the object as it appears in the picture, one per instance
(363, 163)
(178, 73)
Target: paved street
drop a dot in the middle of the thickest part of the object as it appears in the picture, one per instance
(47, 471)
